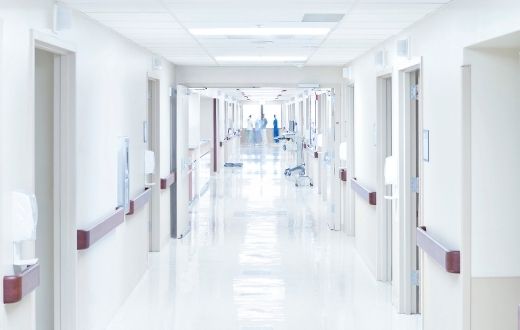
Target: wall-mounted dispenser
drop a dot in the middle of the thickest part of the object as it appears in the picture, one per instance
(123, 174)
(25, 220)
(343, 151)
(391, 173)
(149, 167)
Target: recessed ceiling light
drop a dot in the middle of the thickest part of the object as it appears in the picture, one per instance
(260, 32)
(322, 18)
(261, 58)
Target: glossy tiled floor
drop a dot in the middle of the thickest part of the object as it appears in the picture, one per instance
(260, 256)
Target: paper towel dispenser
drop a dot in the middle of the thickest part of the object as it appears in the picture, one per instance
(25, 220)
(149, 167)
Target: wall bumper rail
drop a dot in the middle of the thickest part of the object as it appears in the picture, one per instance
(87, 237)
(168, 181)
(139, 201)
(18, 286)
(366, 194)
(343, 174)
(448, 259)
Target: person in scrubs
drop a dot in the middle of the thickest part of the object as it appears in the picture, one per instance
(276, 131)
(263, 129)
(250, 130)
(258, 131)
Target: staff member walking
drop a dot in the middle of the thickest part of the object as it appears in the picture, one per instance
(263, 129)
(276, 131)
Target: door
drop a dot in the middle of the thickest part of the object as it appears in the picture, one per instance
(151, 143)
(406, 268)
(386, 181)
(351, 156)
(46, 241)
(173, 161)
(415, 166)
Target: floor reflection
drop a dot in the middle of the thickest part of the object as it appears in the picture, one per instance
(260, 256)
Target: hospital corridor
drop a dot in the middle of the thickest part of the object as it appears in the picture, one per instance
(260, 256)
(259, 165)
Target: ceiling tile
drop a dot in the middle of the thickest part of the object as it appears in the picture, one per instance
(163, 26)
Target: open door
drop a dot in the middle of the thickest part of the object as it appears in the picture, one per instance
(152, 138)
(410, 192)
(386, 178)
(45, 188)
(173, 161)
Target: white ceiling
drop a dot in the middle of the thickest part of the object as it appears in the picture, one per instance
(163, 26)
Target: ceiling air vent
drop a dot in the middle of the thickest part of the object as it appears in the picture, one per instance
(380, 59)
(403, 47)
(347, 73)
(322, 18)
(240, 37)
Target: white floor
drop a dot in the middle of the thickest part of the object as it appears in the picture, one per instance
(260, 256)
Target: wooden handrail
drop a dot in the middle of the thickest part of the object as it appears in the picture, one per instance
(18, 286)
(139, 201)
(368, 195)
(87, 237)
(168, 181)
(343, 174)
(448, 259)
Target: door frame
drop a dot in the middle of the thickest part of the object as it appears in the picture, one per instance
(384, 216)
(467, 196)
(154, 127)
(407, 247)
(173, 160)
(350, 106)
(64, 163)
(215, 123)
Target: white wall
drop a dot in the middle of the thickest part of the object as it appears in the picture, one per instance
(111, 102)
(365, 160)
(206, 115)
(183, 158)
(257, 76)
(17, 136)
(495, 247)
(495, 116)
(439, 39)
(194, 120)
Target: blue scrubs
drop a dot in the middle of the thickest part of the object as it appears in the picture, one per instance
(276, 131)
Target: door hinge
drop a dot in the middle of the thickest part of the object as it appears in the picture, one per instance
(415, 184)
(416, 278)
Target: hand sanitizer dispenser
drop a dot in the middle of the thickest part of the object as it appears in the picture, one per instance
(123, 175)
(343, 151)
(25, 219)
(391, 173)
(149, 167)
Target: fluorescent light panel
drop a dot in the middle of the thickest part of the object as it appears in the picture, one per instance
(261, 58)
(260, 32)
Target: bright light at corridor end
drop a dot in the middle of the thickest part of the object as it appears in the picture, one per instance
(261, 58)
(260, 32)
